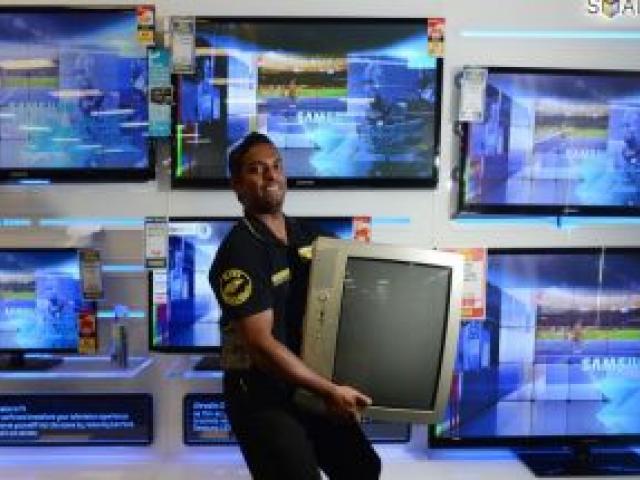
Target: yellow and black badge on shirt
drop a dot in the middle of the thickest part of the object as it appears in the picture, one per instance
(235, 287)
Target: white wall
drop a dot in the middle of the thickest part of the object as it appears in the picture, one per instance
(429, 211)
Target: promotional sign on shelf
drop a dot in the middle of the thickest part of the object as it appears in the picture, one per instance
(435, 37)
(183, 44)
(472, 95)
(146, 24)
(91, 274)
(160, 92)
(474, 289)
(155, 242)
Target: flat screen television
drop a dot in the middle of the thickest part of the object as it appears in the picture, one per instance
(348, 101)
(555, 363)
(40, 300)
(560, 142)
(184, 313)
(384, 319)
(73, 94)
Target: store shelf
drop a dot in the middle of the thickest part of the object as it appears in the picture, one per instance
(183, 368)
(90, 367)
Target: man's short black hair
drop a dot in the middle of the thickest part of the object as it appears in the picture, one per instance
(241, 148)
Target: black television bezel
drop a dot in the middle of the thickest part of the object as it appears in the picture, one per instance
(26, 351)
(84, 174)
(150, 305)
(536, 209)
(302, 183)
(550, 441)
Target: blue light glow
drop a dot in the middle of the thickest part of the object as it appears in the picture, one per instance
(492, 220)
(131, 314)
(554, 34)
(123, 268)
(570, 222)
(390, 221)
(471, 454)
(81, 222)
(15, 222)
(33, 181)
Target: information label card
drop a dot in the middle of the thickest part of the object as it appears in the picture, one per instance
(80, 419)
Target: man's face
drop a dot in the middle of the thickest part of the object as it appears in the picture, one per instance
(261, 183)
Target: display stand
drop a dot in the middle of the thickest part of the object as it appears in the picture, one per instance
(77, 367)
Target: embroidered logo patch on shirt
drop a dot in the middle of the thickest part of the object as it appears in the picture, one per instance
(280, 277)
(306, 252)
(235, 287)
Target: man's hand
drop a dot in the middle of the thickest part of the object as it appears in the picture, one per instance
(346, 402)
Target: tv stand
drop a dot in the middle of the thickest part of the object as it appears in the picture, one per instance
(581, 460)
(21, 362)
(207, 363)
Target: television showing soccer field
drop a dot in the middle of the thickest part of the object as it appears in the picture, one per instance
(557, 358)
(348, 102)
(554, 141)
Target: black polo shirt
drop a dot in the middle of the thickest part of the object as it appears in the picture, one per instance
(255, 271)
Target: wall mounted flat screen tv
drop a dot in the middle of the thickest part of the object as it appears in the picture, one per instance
(349, 102)
(40, 300)
(561, 142)
(184, 313)
(555, 363)
(73, 95)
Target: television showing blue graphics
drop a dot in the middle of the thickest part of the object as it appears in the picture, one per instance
(40, 298)
(185, 314)
(555, 141)
(361, 107)
(73, 94)
(557, 359)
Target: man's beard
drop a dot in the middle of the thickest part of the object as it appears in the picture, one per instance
(261, 206)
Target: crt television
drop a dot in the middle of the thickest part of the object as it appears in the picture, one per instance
(40, 300)
(360, 107)
(560, 142)
(73, 94)
(184, 313)
(385, 320)
(556, 362)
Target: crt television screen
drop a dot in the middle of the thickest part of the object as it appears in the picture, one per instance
(40, 298)
(374, 292)
(360, 107)
(558, 356)
(184, 311)
(555, 141)
(73, 94)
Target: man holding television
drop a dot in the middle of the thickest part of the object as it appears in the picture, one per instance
(260, 278)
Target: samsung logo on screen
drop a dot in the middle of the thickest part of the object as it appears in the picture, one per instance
(614, 8)
(610, 364)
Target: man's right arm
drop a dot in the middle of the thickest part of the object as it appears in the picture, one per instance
(270, 354)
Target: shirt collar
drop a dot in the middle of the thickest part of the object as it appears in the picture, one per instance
(262, 232)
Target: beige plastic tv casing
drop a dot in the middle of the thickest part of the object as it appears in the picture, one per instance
(324, 300)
